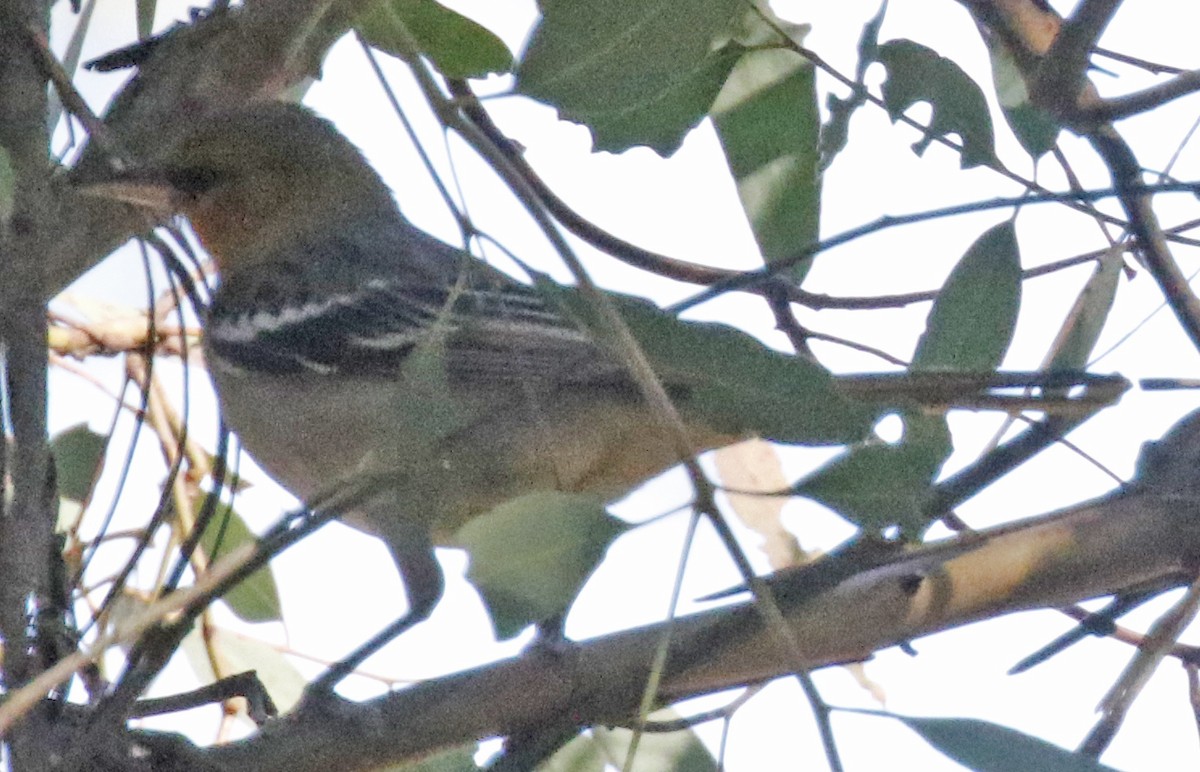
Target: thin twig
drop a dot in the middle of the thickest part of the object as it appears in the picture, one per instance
(49, 66)
(18, 702)
(1149, 66)
(747, 279)
(1120, 697)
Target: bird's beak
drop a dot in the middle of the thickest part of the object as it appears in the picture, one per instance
(145, 188)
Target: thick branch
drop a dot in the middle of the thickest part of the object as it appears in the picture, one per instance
(1062, 72)
(26, 228)
(1146, 534)
(1078, 106)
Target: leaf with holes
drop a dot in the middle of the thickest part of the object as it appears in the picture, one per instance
(836, 131)
(876, 486)
(916, 73)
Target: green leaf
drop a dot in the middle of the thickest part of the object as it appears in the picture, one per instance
(78, 458)
(836, 131)
(1035, 129)
(458, 46)
(256, 599)
(916, 73)
(602, 749)
(987, 747)
(531, 555)
(878, 485)
(236, 653)
(729, 380)
(633, 72)
(1087, 317)
(427, 399)
(145, 18)
(767, 119)
(868, 43)
(972, 320)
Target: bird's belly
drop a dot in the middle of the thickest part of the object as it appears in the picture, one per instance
(308, 433)
(313, 434)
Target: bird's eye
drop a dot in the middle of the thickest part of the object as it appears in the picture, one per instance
(193, 180)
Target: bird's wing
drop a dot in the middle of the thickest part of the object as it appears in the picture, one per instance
(366, 320)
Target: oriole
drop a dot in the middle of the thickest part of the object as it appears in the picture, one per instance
(327, 298)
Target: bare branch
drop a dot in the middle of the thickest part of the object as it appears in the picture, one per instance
(1135, 537)
(1143, 224)
(1140, 101)
(1062, 72)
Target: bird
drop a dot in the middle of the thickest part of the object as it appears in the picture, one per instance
(345, 342)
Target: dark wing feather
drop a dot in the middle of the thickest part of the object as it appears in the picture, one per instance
(364, 313)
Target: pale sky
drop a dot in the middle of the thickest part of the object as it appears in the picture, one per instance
(686, 206)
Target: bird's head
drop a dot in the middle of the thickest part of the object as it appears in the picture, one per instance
(256, 179)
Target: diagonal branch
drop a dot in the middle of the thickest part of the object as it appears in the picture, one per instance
(1074, 102)
(1147, 533)
(1062, 72)
(1144, 225)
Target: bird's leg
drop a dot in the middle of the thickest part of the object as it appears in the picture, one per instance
(412, 550)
